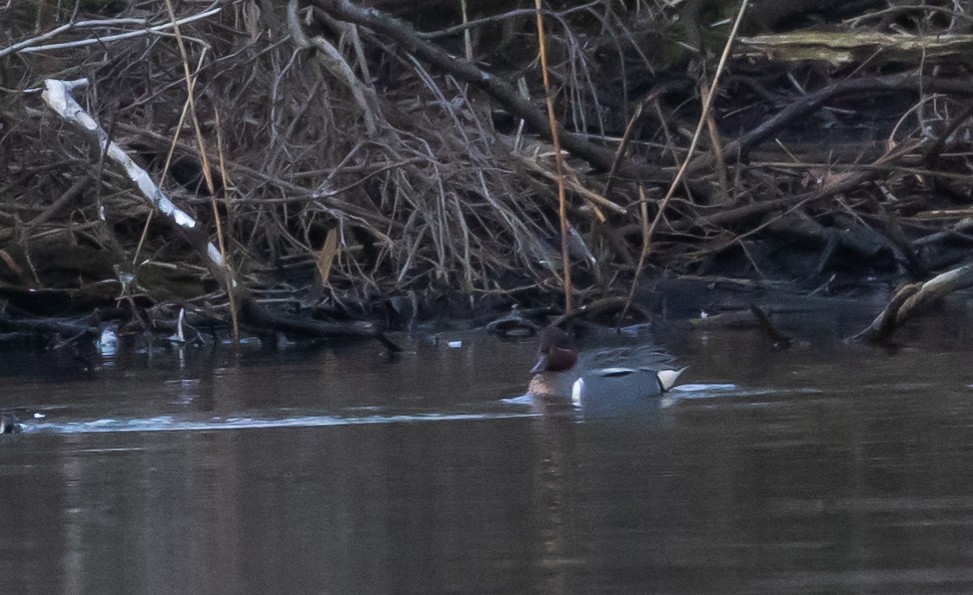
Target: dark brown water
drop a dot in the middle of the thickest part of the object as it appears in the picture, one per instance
(824, 468)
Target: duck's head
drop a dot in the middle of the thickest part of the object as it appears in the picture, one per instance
(556, 351)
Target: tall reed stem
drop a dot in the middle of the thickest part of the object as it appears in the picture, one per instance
(558, 161)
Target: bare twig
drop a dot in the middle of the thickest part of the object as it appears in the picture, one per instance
(465, 71)
(28, 47)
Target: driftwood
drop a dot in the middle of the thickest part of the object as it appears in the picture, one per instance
(844, 47)
(606, 308)
(737, 319)
(912, 299)
(753, 317)
(86, 326)
(781, 339)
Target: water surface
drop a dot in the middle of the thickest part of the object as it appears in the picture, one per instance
(827, 467)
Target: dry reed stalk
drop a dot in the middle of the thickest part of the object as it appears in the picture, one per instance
(220, 238)
(558, 161)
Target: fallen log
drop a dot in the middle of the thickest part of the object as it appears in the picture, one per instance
(844, 47)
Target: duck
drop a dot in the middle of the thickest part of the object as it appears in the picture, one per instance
(595, 391)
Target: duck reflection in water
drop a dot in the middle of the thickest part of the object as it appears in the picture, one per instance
(560, 382)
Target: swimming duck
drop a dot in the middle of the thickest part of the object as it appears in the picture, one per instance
(595, 390)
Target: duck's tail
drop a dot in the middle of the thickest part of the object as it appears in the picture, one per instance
(667, 378)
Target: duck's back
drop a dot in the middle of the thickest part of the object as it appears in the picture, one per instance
(617, 388)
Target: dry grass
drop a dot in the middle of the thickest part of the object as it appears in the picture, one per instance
(335, 153)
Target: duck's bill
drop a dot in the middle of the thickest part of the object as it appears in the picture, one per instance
(541, 365)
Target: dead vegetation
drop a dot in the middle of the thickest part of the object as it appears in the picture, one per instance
(361, 165)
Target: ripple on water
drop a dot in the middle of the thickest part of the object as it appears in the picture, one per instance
(168, 423)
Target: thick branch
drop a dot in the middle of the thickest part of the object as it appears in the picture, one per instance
(727, 217)
(58, 97)
(912, 299)
(846, 47)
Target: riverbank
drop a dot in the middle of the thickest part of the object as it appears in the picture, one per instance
(322, 170)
